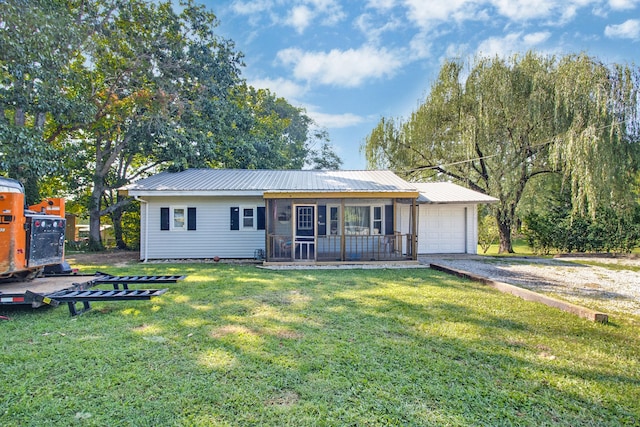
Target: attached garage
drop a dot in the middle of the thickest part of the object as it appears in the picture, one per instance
(443, 229)
(448, 218)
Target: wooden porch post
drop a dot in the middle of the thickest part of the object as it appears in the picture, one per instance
(267, 227)
(414, 230)
(343, 243)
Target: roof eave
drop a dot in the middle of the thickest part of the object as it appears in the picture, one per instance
(194, 193)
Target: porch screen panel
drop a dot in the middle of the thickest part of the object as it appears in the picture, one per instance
(388, 219)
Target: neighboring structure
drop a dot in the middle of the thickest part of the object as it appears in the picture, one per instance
(308, 216)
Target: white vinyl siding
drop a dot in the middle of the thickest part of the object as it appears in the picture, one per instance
(212, 237)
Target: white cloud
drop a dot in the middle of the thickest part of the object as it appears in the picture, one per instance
(299, 18)
(455, 51)
(281, 87)
(428, 14)
(511, 43)
(374, 29)
(623, 4)
(251, 7)
(381, 5)
(629, 29)
(522, 10)
(346, 68)
(425, 14)
(420, 46)
(335, 121)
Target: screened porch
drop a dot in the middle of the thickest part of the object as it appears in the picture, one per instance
(365, 229)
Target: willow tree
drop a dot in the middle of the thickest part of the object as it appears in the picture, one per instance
(502, 122)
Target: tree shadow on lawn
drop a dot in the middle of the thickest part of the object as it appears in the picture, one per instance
(367, 358)
(374, 348)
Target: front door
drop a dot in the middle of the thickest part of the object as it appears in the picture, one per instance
(305, 238)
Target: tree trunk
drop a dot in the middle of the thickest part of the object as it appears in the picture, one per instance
(504, 229)
(505, 217)
(116, 219)
(95, 239)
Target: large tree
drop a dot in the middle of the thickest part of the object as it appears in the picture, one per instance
(120, 89)
(40, 44)
(500, 123)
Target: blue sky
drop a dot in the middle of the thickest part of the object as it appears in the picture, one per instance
(349, 63)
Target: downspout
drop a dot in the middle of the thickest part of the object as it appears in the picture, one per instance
(146, 226)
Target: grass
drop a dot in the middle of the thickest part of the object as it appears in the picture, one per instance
(608, 265)
(520, 247)
(238, 346)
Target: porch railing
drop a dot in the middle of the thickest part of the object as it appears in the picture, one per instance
(373, 247)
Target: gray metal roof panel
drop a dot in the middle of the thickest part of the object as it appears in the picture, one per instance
(448, 192)
(203, 180)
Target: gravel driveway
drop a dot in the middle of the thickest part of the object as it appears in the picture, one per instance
(595, 287)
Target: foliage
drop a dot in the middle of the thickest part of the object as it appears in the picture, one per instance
(506, 121)
(609, 231)
(487, 229)
(236, 345)
(120, 90)
(131, 226)
(326, 158)
(39, 51)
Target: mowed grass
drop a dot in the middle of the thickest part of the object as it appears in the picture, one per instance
(238, 346)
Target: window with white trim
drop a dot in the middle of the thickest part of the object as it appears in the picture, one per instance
(377, 221)
(334, 220)
(177, 218)
(305, 218)
(363, 219)
(248, 218)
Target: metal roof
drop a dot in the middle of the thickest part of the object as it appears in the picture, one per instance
(212, 182)
(447, 192)
(257, 182)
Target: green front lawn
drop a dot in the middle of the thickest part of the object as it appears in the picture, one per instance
(237, 345)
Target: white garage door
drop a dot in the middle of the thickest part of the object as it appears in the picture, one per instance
(442, 229)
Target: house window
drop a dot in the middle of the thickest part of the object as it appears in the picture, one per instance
(305, 218)
(377, 220)
(363, 220)
(334, 220)
(248, 219)
(357, 219)
(177, 218)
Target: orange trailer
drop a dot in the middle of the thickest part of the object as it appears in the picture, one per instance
(31, 238)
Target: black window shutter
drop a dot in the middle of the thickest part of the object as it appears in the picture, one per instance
(235, 218)
(260, 214)
(322, 220)
(191, 218)
(164, 218)
(388, 219)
